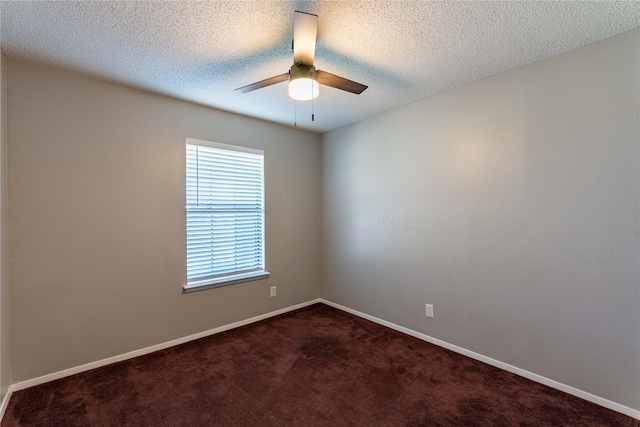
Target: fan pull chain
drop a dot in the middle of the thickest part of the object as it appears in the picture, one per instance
(313, 119)
(295, 114)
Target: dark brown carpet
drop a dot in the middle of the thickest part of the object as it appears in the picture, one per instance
(317, 366)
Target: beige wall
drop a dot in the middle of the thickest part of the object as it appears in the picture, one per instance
(97, 219)
(511, 204)
(5, 374)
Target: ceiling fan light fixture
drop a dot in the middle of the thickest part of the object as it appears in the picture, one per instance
(303, 82)
(304, 79)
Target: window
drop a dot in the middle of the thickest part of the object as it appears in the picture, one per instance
(225, 215)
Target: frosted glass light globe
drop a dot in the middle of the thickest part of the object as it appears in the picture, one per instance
(303, 89)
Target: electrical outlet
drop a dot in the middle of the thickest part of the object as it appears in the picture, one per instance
(273, 292)
(429, 310)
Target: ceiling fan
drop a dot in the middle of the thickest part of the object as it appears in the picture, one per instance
(303, 77)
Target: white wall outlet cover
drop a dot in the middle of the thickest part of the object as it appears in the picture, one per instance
(429, 310)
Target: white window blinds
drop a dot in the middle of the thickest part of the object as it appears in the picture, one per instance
(225, 214)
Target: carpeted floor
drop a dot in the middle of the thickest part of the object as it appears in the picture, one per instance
(316, 366)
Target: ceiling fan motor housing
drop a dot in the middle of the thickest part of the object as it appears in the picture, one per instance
(303, 71)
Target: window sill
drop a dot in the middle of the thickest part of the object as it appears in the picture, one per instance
(203, 285)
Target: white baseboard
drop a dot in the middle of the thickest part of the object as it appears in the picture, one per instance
(498, 364)
(86, 367)
(5, 401)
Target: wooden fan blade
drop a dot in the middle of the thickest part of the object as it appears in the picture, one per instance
(305, 29)
(341, 83)
(264, 83)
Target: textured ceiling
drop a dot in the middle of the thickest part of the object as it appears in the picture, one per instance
(201, 51)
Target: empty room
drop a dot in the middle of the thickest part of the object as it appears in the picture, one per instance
(320, 213)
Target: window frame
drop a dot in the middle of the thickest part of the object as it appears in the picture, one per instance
(200, 284)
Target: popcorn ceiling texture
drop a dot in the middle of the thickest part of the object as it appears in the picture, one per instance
(202, 51)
